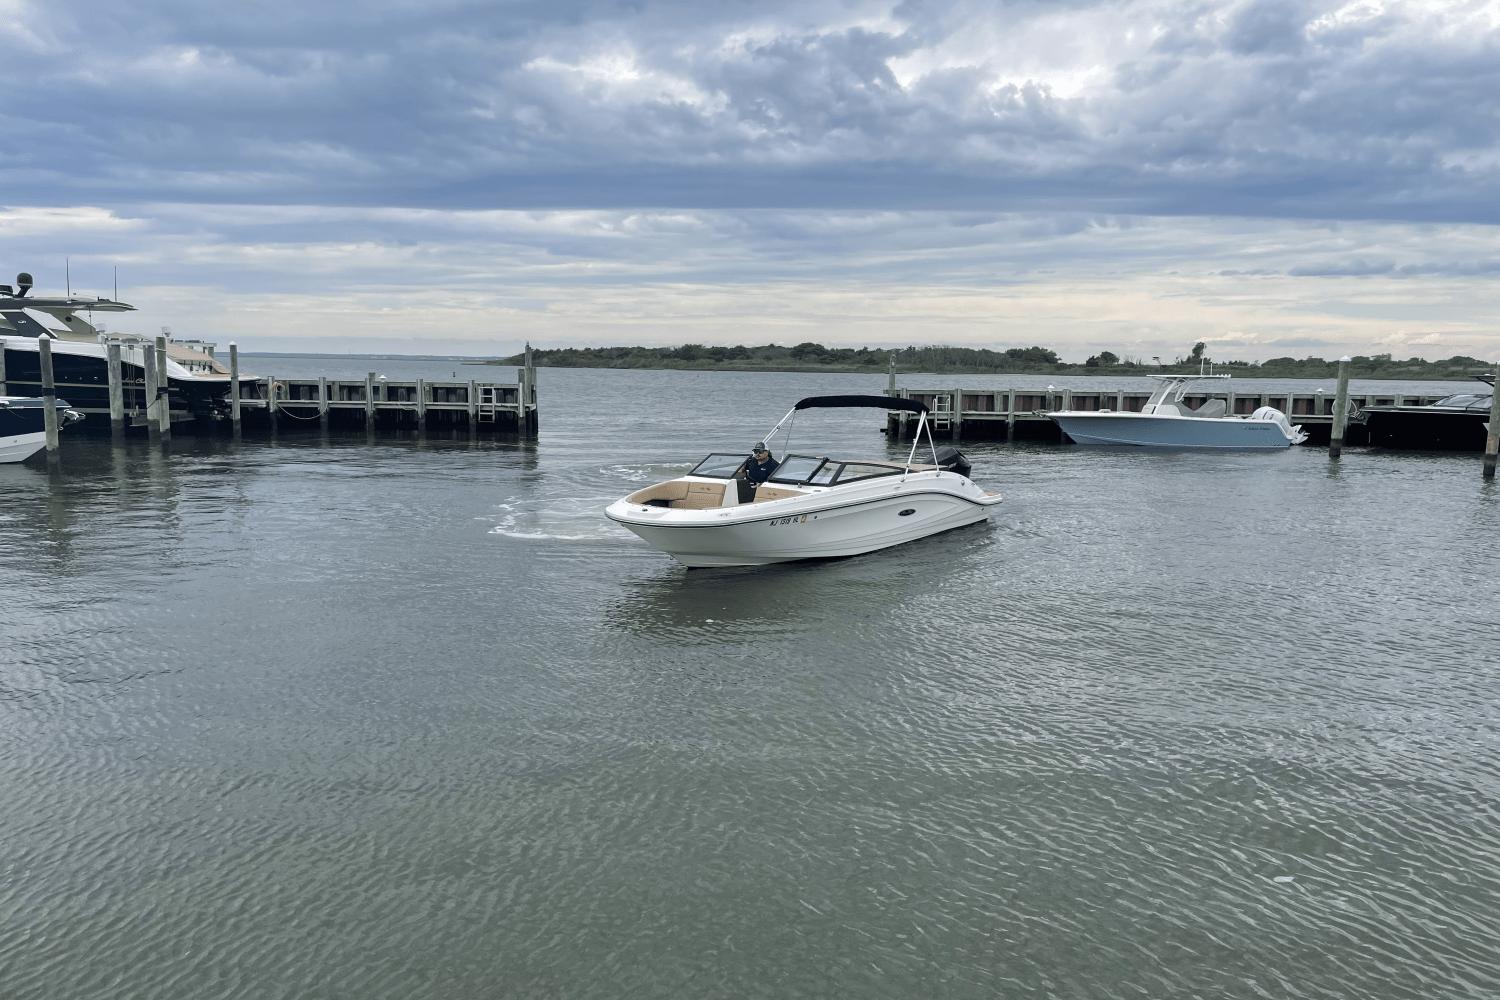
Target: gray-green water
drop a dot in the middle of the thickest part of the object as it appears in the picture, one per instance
(325, 718)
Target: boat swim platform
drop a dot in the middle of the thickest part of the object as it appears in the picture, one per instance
(1021, 415)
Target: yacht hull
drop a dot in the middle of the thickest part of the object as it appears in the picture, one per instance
(1426, 428)
(820, 526)
(81, 373)
(1161, 431)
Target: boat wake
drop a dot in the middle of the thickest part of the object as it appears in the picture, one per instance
(555, 519)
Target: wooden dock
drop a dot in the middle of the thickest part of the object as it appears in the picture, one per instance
(1021, 414)
(273, 402)
(377, 402)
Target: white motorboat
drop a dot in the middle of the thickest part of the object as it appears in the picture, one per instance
(811, 506)
(23, 425)
(1166, 421)
(197, 383)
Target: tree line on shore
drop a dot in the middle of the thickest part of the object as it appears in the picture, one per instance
(810, 356)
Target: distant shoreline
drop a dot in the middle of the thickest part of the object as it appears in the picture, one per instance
(1328, 370)
(1452, 370)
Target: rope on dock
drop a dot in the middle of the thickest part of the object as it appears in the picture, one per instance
(283, 413)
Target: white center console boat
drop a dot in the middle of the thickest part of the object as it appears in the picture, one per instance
(811, 506)
(1166, 421)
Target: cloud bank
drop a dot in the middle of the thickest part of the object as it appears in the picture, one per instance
(1064, 173)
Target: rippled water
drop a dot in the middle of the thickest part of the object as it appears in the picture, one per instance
(322, 717)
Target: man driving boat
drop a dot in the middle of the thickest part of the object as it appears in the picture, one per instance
(761, 465)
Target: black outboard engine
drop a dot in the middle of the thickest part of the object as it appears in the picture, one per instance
(950, 459)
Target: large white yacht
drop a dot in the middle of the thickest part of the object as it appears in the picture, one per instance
(811, 507)
(197, 383)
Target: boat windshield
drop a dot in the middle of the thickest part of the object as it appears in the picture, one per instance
(797, 469)
(1466, 399)
(854, 471)
(719, 466)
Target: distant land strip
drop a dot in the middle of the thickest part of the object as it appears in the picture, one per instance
(811, 357)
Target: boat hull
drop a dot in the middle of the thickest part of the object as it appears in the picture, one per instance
(20, 447)
(1153, 431)
(1427, 429)
(815, 527)
(23, 426)
(81, 373)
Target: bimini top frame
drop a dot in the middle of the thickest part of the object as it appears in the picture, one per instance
(1174, 387)
(874, 402)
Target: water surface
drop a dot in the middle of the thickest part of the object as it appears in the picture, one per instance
(325, 716)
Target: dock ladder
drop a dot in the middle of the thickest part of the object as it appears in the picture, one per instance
(489, 403)
(941, 416)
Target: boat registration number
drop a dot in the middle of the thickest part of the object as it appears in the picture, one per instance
(794, 519)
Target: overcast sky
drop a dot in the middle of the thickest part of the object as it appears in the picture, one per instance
(1273, 178)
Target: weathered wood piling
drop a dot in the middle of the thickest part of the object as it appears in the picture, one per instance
(1492, 437)
(234, 385)
(116, 390)
(1340, 411)
(163, 386)
(49, 395)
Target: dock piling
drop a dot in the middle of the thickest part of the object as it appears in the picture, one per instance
(890, 391)
(234, 385)
(323, 402)
(49, 396)
(2, 372)
(148, 369)
(1340, 411)
(271, 401)
(116, 391)
(531, 417)
(369, 399)
(1492, 439)
(164, 405)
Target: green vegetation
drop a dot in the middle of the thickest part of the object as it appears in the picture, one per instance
(809, 356)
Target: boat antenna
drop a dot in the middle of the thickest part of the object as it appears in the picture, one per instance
(68, 272)
(117, 282)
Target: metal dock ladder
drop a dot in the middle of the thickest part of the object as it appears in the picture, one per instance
(489, 402)
(942, 412)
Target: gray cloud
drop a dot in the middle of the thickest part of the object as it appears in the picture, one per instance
(1134, 175)
(1258, 108)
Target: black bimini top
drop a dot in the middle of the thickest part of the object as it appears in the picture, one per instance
(877, 402)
